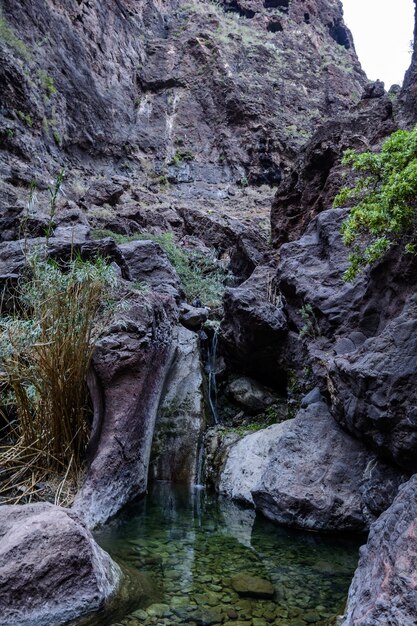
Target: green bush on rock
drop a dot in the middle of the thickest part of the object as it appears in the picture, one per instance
(201, 274)
(384, 199)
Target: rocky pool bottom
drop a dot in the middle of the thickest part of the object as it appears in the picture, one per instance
(197, 559)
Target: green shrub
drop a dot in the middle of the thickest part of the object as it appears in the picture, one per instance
(47, 83)
(45, 352)
(9, 37)
(181, 155)
(384, 199)
(201, 275)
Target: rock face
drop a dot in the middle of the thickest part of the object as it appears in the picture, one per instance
(408, 95)
(308, 473)
(383, 588)
(51, 569)
(186, 84)
(180, 423)
(254, 327)
(129, 369)
(373, 389)
(317, 176)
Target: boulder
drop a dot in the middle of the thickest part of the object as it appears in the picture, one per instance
(373, 390)
(129, 369)
(51, 569)
(248, 586)
(383, 590)
(149, 264)
(103, 192)
(251, 395)
(193, 317)
(13, 253)
(308, 473)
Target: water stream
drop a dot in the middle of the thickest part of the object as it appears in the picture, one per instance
(181, 550)
(211, 376)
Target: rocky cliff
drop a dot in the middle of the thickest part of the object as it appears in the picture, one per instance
(193, 94)
(184, 117)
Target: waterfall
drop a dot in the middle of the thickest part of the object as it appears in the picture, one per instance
(211, 372)
(199, 482)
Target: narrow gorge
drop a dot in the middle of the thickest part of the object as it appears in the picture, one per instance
(208, 411)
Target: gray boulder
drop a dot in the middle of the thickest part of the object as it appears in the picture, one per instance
(148, 263)
(308, 473)
(251, 395)
(51, 569)
(383, 590)
(373, 390)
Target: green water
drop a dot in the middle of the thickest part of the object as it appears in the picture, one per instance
(180, 551)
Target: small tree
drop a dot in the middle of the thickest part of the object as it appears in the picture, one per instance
(384, 198)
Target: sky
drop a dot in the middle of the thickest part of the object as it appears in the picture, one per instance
(382, 31)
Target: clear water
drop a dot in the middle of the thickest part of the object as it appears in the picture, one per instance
(181, 549)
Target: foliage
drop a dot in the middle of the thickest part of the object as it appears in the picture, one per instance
(311, 326)
(45, 351)
(9, 37)
(384, 198)
(181, 155)
(201, 275)
(47, 83)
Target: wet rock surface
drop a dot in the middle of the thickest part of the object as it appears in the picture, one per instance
(180, 422)
(51, 569)
(307, 472)
(248, 586)
(383, 588)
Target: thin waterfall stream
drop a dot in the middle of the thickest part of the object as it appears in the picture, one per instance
(211, 375)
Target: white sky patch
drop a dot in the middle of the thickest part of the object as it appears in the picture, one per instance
(383, 32)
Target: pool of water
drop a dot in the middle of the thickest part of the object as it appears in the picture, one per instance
(184, 553)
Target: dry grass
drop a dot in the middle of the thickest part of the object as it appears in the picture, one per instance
(45, 354)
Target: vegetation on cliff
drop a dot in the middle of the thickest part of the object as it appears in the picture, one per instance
(384, 196)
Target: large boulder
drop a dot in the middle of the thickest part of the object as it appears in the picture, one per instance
(383, 590)
(148, 264)
(308, 473)
(129, 368)
(373, 389)
(51, 569)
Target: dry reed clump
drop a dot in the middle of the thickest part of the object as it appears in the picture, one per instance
(45, 351)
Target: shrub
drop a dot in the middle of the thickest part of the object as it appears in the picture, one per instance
(384, 199)
(45, 352)
(9, 37)
(201, 275)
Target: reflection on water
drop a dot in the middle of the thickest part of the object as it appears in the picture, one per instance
(181, 549)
